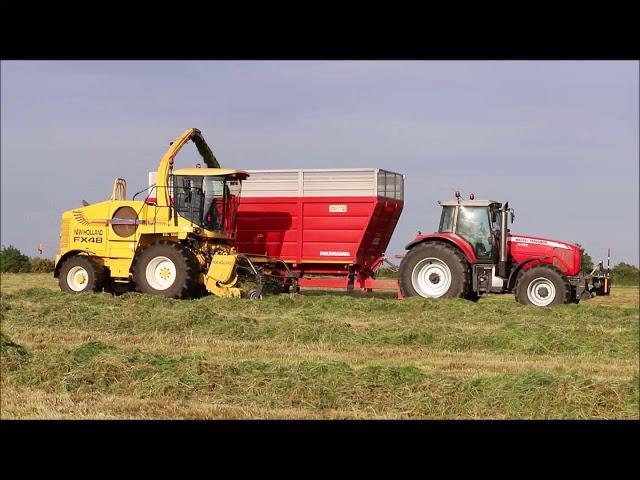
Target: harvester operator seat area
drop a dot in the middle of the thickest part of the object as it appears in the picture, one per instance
(201, 199)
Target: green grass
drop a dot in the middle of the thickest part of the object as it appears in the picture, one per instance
(320, 354)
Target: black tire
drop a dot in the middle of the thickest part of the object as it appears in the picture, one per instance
(445, 253)
(199, 290)
(183, 284)
(90, 275)
(543, 280)
(253, 294)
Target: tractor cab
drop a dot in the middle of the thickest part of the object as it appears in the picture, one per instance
(207, 197)
(478, 222)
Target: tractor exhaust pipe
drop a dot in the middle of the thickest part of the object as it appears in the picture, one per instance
(502, 259)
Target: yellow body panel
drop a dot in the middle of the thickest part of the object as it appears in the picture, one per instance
(222, 268)
(223, 291)
(222, 276)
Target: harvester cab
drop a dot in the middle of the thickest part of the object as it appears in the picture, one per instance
(208, 198)
(175, 243)
(474, 253)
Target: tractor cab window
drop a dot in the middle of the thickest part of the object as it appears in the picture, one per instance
(474, 225)
(208, 201)
(446, 220)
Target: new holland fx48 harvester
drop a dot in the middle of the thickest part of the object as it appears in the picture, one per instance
(177, 244)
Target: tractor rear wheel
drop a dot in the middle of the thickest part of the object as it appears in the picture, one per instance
(80, 274)
(434, 270)
(165, 268)
(542, 286)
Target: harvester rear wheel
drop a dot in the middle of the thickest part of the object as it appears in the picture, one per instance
(542, 286)
(166, 268)
(80, 274)
(434, 270)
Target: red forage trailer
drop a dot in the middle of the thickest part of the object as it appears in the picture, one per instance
(322, 222)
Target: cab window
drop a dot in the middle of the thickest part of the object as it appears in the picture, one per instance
(446, 220)
(474, 225)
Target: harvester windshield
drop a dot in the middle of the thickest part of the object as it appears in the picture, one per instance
(208, 201)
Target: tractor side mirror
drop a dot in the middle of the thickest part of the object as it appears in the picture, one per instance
(513, 215)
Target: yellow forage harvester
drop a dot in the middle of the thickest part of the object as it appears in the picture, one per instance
(175, 242)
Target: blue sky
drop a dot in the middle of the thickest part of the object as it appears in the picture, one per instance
(557, 139)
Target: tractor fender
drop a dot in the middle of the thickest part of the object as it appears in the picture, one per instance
(450, 238)
(514, 273)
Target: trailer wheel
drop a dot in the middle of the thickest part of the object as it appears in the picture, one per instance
(165, 268)
(80, 274)
(253, 294)
(434, 270)
(542, 286)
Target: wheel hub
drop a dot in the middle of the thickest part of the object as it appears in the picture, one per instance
(160, 273)
(165, 273)
(77, 278)
(541, 292)
(431, 277)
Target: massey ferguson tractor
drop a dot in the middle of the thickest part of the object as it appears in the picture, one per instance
(474, 253)
(176, 243)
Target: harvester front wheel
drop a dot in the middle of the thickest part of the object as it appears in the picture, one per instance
(80, 274)
(542, 286)
(434, 270)
(165, 268)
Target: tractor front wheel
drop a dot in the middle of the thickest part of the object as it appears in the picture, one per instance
(165, 268)
(542, 286)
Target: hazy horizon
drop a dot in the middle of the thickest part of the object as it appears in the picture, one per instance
(557, 139)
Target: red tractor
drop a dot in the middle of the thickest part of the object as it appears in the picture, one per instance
(474, 253)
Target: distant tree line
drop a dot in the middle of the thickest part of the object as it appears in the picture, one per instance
(13, 260)
(625, 274)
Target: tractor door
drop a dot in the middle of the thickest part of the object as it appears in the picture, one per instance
(474, 225)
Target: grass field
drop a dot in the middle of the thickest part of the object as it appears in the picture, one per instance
(315, 355)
